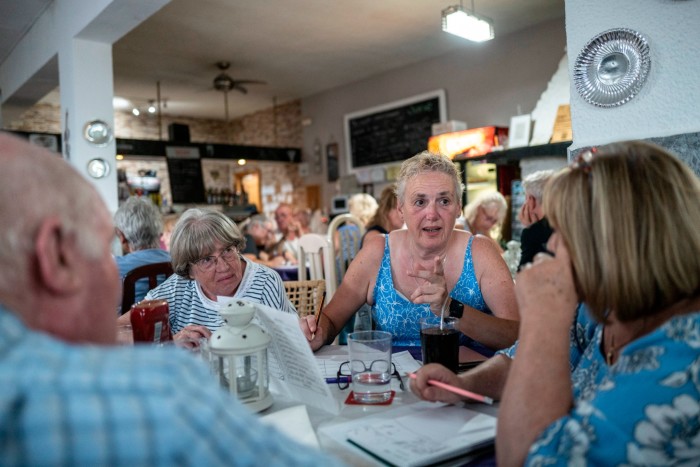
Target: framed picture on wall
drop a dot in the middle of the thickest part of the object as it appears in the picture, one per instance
(332, 158)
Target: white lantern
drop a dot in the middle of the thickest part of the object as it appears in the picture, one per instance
(239, 353)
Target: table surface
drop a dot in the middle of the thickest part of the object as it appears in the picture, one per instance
(346, 452)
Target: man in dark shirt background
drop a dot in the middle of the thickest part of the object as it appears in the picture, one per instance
(534, 237)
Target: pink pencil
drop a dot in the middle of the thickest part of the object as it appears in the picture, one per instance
(456, 390)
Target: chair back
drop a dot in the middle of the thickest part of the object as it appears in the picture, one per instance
(315, 260)
(148, 271)
(345, 236)
(306, 296)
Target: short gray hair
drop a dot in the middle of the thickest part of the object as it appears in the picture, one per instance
(259, 220)
(427, 161)
(534, 183)
(196, 234)
(141, 222)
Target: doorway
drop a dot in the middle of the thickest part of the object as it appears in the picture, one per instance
(248, 181)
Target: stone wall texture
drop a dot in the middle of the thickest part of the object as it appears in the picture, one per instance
(273, 127)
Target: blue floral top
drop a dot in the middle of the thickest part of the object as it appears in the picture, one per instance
(396, 314)
(643, 410)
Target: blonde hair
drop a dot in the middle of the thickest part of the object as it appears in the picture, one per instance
(631, 221)
(487, 199)
(363, 206)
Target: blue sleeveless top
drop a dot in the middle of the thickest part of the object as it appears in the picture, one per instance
(396, 314)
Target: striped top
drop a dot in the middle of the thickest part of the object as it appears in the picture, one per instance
(188, 304)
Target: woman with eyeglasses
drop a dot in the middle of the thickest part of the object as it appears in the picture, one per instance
(205, 249)
(607, 369)
(485, 215)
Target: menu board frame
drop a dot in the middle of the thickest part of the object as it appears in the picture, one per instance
(185, 174)
(393, 113)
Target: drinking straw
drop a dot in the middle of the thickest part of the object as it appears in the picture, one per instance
(456, 390)
(442, 308)
(442, 312)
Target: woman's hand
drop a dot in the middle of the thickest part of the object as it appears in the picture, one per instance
(433, 371)
(546, 286)
(312, 333)
(434, 290)
(193, 332)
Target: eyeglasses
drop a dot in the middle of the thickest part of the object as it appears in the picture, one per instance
(379, 366)
(208, 263)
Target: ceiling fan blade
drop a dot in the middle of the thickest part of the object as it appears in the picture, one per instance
(237, 86)
(248, 81)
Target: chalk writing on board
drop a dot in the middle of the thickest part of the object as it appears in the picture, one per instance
(393, 132)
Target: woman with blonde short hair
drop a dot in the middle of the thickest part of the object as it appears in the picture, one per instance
(417, 271)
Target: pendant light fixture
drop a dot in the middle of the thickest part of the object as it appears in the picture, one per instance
(467, 24)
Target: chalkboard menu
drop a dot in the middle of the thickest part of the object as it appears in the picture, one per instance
(392, 132)
(185, 172)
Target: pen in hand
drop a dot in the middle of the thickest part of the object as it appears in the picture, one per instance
(320, 312)
(456, 390)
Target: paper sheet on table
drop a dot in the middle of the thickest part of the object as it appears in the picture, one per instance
(293, 369)
(295, 423)
(418, 434)
(329, 360)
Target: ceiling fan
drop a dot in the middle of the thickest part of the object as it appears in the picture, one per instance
(223, 82)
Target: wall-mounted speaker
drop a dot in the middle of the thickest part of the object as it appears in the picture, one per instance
(179, 133)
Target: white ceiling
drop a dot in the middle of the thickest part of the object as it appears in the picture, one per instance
(299, 47)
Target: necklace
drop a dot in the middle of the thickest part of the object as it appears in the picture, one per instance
(613, 349)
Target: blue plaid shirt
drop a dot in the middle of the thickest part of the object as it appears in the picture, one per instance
(62, 404)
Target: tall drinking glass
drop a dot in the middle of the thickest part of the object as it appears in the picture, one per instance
(370, 366)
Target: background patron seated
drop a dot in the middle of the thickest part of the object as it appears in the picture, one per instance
(138, 224)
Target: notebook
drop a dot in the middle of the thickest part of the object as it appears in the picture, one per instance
(421, 434)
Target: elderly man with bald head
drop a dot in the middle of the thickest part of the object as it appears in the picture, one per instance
(69, 395)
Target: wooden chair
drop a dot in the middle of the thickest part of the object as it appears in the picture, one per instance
(306, 296)
(149, 271)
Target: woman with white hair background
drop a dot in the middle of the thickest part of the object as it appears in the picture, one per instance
(485, 215)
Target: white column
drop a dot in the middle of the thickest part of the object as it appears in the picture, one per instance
(86, 83)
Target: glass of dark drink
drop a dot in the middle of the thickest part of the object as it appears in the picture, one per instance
(440, 342)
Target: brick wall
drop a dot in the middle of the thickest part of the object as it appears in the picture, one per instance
(278, 127)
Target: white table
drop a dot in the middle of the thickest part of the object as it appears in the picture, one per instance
(321, 420)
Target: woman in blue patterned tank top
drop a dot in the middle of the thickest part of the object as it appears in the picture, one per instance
(416, 271)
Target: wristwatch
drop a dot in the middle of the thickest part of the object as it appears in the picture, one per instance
(456, 309)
